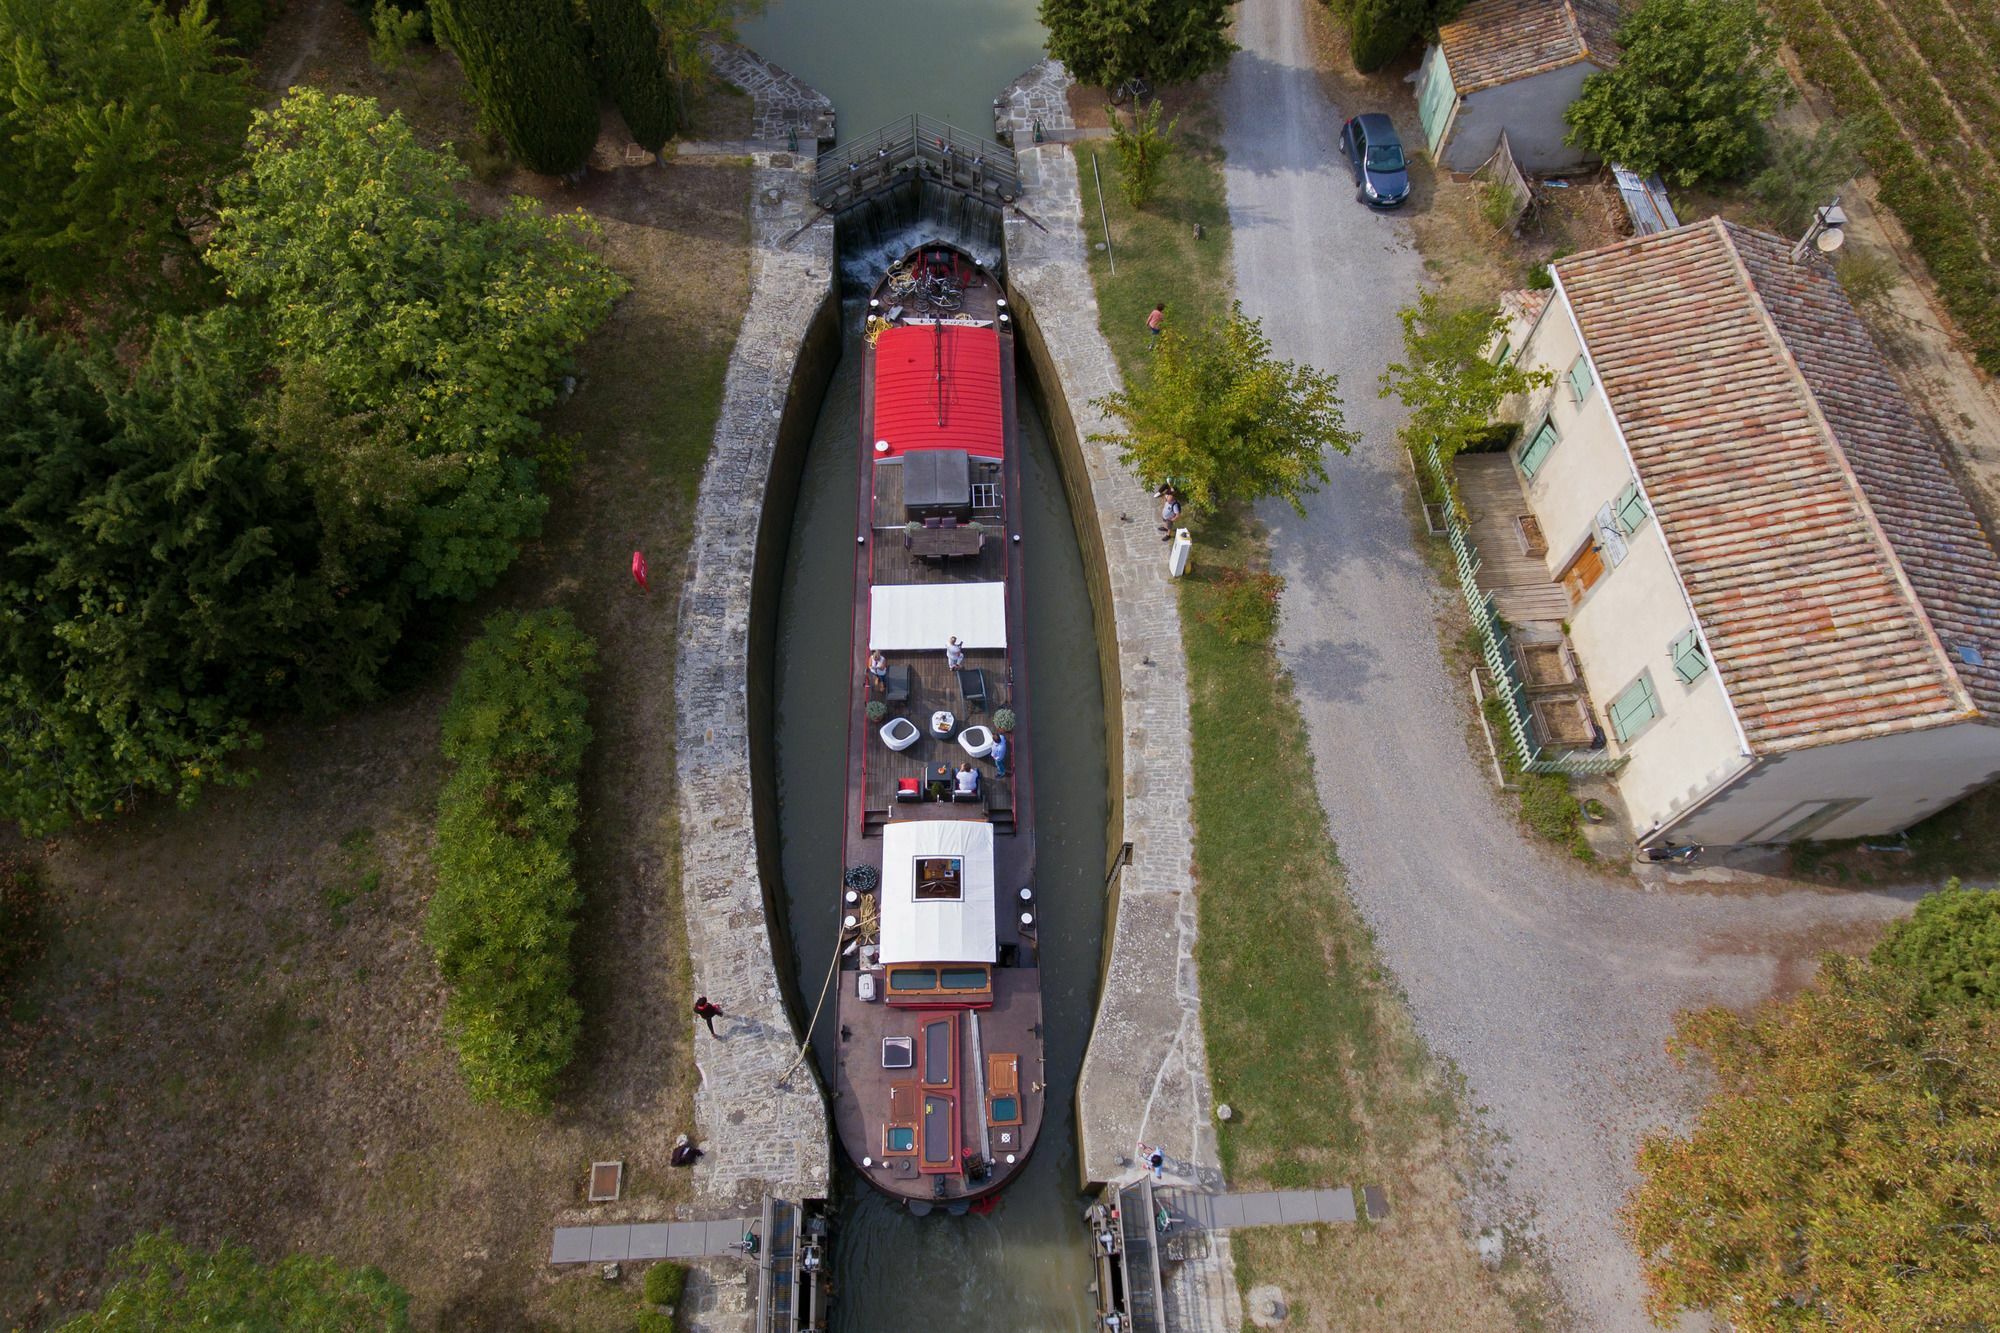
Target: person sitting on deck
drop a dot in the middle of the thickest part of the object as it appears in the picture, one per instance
(968, 779)
(954, 653)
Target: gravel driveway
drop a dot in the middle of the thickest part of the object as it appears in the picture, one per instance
(1551, 989)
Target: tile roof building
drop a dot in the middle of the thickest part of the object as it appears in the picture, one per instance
(1827, 595)
(1513, 66)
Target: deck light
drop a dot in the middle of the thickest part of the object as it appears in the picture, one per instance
(1010, 1159)
(867, 1162)
(1027, 895)
(881, 446)
(853, 897)
(850, 922)
(1027, 919)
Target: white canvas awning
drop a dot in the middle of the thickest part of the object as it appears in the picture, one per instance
(934, 931)
(912, 617)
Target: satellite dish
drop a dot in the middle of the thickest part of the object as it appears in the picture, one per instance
(1830, 240)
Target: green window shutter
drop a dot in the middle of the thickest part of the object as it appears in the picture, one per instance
(1579, 377)
(1631, 508)
(1537, 449)
(1634, 708)
(1503, 353)
(1690, 658)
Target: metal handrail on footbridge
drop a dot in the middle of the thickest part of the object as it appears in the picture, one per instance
(915, 147)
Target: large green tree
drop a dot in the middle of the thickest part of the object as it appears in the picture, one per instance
(1224, 421)
(1450, 378)
(1950, 945)
(1690, 93)
(1378, 31)
(1106, 42)
(418, 335)
(526, 63)
(161, 579)
(115, 115)
(1846, 1172)
(161, 1283)
(631, 63)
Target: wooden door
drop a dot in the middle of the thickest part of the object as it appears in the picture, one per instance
(1584, 570)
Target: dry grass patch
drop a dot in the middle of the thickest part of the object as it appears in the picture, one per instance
(234, 1030)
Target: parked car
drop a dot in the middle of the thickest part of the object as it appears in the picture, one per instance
(1376, 156)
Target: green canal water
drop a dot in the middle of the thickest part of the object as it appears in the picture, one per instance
(880, 60)
(1026, 1265)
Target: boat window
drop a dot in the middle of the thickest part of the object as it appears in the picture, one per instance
(912, 978)
(940, 1132)
(938, 877)
(900, 1138)
(1006, 1110)
(962, 978)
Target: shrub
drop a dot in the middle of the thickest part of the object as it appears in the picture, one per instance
(652, 1321)
(396, 30)
(1246, 606)
(1951, 945)
(1548, 807)
(506, 902)
(1003, 719)
(1142, 151)
(877, 710)
(1498, 202)
(664, 1282)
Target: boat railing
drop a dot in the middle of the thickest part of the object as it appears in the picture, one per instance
(915, 147)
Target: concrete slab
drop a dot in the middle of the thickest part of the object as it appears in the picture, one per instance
(1226, 1210)
(722, 1235)
(1261, 1209)
(610, 1243)
(1197, 1208)
(1296, 1206)
(687, 1240)
(1377, 1200)
(572, 1245)
(1335, 1205)
(649, 1240)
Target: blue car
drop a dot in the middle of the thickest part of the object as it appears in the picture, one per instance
(1376, 155)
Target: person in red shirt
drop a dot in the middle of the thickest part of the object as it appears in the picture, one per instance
(1157, 320)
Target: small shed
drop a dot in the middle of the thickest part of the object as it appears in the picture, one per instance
(1513, 65)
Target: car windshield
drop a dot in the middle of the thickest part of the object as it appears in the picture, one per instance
(1385, 157)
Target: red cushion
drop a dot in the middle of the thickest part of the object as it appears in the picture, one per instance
(906, 784)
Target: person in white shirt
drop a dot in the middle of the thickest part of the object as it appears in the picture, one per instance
(968, 780)
(954, 653)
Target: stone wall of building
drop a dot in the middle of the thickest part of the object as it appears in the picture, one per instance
(760, 1113)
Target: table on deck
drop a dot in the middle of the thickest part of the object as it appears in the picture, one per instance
(944, 541)
(938, 775)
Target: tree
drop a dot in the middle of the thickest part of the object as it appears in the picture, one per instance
(506, 902)
(419, 333)
(1804, 171)
(525, 62)
(1378, 31)
(1950, 945)
(1846, 1172)
(1689, 95)
(1107, 42)
(161, 579)
(1225, 422)
(114, 117)
(1142, 150)
(1447, 380)
(633, 70)
(685, 25)
(161, 1283)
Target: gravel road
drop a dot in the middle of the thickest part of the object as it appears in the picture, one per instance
(1550, 988)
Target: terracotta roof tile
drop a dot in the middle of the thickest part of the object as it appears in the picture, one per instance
(1823, 539)
(1498, 41)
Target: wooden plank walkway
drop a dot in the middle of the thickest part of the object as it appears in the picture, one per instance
(1524, 592)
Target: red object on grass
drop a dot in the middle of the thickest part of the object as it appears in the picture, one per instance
(639, 570)
(908, 359)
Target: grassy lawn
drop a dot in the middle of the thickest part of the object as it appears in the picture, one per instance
(1308, 1041)
(233, 1028)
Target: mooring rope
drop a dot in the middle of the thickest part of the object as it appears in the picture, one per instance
(832, 967)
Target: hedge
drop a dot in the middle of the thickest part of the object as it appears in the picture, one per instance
(1942, 229)
(506, 901)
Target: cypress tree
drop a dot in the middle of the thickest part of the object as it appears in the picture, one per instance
(632, 70)
(525, 62)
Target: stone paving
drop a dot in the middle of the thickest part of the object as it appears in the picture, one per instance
(1145, 1074)
(1040, 94)
(649, 1240)
(784, 103)
(765, 1131)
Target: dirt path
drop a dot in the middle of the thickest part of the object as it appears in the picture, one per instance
(1550, 989)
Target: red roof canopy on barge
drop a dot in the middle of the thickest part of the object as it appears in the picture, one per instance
(909, 394)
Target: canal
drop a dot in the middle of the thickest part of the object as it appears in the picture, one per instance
(1025, 1265)
(879, 60)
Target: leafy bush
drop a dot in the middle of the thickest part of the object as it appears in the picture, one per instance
(1950, 945)
(877, 710)
(1245, 608)
(1142, 151)
(1448, 380)
(1803, 172)
(1003, 719)
(1498, 203)
(1549, 808)
(1693, 86)
(395, 31)
(663, 1283)
(506, 902)
(1106, 42)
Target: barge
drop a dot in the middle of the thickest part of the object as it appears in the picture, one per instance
(938, 1072)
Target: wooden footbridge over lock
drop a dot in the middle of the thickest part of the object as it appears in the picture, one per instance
(915, 149)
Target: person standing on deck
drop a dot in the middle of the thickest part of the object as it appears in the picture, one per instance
(999, 754)
(954, 653)
(878, 671)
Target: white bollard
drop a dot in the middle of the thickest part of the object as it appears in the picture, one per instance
(1180, 553)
